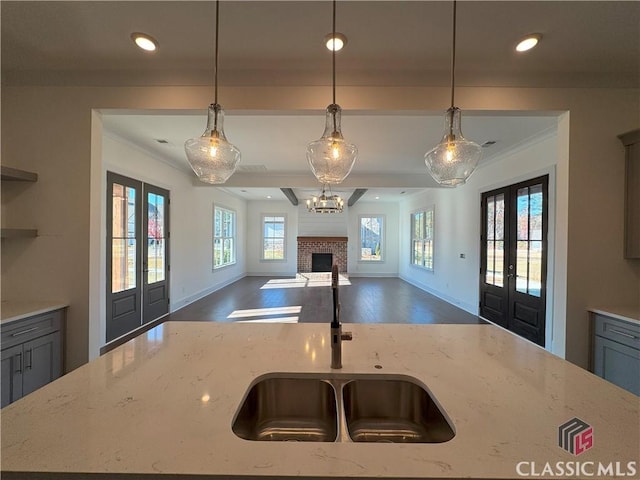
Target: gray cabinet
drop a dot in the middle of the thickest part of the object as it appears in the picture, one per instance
(32, 354)
(631, 142)
(616, 353)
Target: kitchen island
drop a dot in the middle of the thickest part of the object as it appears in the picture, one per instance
(164, 404)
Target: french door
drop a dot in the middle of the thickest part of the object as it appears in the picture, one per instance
(137, 254)
(513, 268)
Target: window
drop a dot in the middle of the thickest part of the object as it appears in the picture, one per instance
(273, 237)
(371, 238)
(422, 238)
(224, 237)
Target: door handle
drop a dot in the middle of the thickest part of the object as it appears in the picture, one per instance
(628, 335)
(28, 364)
(19, 362)
(510, 274)
(24, 331)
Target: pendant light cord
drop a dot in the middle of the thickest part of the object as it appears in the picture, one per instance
(333, 62)
(333, 51)
(215, 66)
(453, 55)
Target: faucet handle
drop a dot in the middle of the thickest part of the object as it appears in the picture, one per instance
(346, 336)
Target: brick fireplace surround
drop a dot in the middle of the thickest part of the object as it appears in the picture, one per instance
(335, 245)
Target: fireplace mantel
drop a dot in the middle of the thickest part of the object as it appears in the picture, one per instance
(323, 239)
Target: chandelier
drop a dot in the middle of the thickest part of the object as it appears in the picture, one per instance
(326, 203)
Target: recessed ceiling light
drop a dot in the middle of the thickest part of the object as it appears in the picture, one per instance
(144, 41)
(377, 198)
(268, 196)
(340, 41)
(528, 42)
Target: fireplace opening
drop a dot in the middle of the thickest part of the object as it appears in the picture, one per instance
(321, 262)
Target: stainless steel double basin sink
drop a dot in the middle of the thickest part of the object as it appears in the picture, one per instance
(341, 408)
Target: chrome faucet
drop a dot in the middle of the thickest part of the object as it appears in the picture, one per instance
(336, 329)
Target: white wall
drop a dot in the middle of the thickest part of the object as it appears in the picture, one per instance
(389, 266)
(191, 217)
(257, 266)
(457, 224)
(322, 224)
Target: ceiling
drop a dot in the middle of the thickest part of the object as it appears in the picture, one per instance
(392, 43)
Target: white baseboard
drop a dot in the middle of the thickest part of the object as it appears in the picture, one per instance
(371, 275)
(183, 302)
(472, 309)
(271, 274)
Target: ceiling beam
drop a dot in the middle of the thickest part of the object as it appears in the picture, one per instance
(358, 192)
(290, 195)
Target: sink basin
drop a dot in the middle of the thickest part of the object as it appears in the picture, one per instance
(288, 409)
(341, 408)
(392, 410)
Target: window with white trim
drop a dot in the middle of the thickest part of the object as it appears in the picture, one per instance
(371, 238)
(274, 234)
(422, 223)
(224, 237)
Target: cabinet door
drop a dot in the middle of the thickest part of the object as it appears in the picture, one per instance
(618, 364)
(12, 365)
(42, 362)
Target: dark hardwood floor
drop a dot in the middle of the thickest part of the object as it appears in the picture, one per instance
(307, 299)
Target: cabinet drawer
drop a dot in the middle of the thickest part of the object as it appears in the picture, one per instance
(619, 331)
(26, 329)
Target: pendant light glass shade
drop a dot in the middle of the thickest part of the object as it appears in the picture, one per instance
(211, 156)
(331, 158)
(455, 158)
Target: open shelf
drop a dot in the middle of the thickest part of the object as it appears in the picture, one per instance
(17, 175)
(18, 233)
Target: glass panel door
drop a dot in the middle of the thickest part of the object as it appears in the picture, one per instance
(123, 255)
(514, 256)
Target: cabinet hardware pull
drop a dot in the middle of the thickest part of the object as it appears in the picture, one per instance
(24, 331)
(628, 335)
(27, 365)
(19, 362)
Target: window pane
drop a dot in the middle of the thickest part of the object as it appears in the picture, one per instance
(428, 254)
(417, 252)
(428, 234)
(490, 262)
(498, 268)
(522, 266)
(535, 268)
(123, 269)
(523, 213)
(418, 222)
(371, 238)
(535, 212)
(491, 217)
(217, 252)
(499, 232)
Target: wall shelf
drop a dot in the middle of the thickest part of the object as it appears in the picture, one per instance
(18, 233)
(16, 175)
(10, 174)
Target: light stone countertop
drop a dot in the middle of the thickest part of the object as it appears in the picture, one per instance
(164, 403)
(10, 311)
(627, 314)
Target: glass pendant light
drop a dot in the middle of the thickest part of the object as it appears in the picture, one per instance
(331, 158)
(211, 156)
(455, 158)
